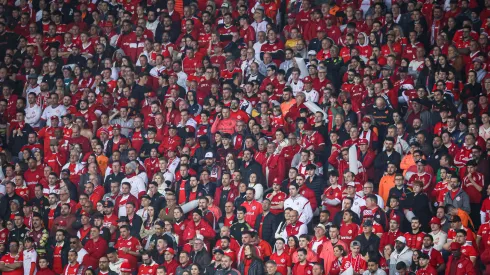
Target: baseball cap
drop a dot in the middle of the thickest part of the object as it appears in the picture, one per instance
(455, 246)
(363, 141)
(311, 52)
(401, 239)
(435, 220)
(367, 223)
(351, 184)
(108, 204)
(170, 250)
(321, 226)
(366, 119)
(209, 155)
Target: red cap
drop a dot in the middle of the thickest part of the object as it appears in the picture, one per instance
(395, 218)
(455, 246)
(108, 24)
(307, 127)
(152, 94)
(366, 119)
(117, 126)
(104, 130)
(363, 141)
(125, 267)
(435, 220)
(84, 213)
(276, 180)
(329, 16)
(351, 184)
(170, 250)
(292, 15)
(307, 79)
(173, 74)
(54, 117)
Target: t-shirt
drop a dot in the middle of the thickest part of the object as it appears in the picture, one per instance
(30, 256)
(9, 259)
(132, 244)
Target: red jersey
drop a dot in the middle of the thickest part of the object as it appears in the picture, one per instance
(348, 232)
(414, 241)
(254, 208)
(356, 262)
(9, 259)
(283, 261)
(275, 200)
(133, 244)
(302, 269)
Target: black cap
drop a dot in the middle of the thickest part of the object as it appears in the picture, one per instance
(65, 171)
(123, 219)
(415, 99)
(346, 101)
(455, 219)
(217, 250)
(421, 161)
(199, 212)
(368, 223)
(415, 143)
(172, 126)
(226, 135)
(146, 197)
(108, 204)
(471, 163)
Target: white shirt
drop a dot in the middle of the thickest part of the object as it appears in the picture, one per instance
(312, 96)
(302, 205)
(137, 185)
(30, 256)
(259, 27)
(257, 46)
(49, 112)
(33, 115)
(439, 239)
(302, 231)
(36, 90)
(81, 255)
(296, 87)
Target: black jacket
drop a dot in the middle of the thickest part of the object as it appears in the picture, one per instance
(18, 234)
(252, 167)
(269, 227)
(136, 224)
(380, 163)
(315, 183)
(370, 245)
(17, 142)
(112, 177)
(202, 258)
(64, 250)
(256, 267)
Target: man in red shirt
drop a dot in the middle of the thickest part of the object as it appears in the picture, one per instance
(96, 248)
(128, 247)
(170, 263)
(148, 266)
(11, 263)
(348, 229)
(303, 266)
(72, 268)
(424, 267)
(281, 258)
(254, 208)
(416, 236)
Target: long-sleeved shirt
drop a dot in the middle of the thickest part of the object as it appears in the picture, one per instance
(33, 115)
(302, 205)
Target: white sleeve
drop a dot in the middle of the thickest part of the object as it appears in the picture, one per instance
(483, 217)
(285, 234)
(44, 115)
(259, 192)
(306, 214)
(302, 230)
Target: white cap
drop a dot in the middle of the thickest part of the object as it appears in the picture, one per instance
(401, 239)
(209, 155)
(311, 52)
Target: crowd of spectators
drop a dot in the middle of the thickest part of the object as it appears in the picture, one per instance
(235, 137)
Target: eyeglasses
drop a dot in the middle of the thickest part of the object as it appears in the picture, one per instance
(73, 242)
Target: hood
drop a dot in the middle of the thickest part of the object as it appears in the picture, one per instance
(366, 39)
